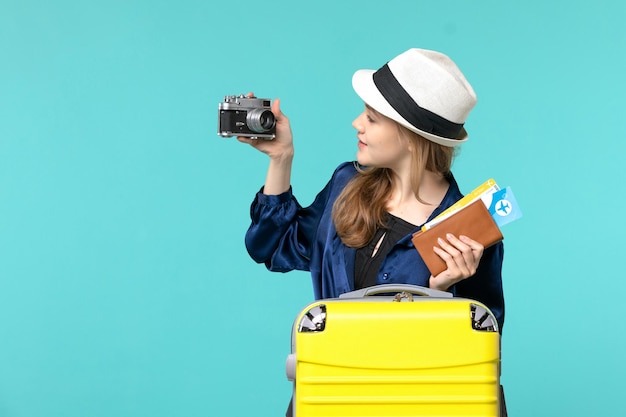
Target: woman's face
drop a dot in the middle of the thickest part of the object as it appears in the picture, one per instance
(380, 144)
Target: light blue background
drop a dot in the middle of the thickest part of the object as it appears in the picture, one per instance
(125, 287)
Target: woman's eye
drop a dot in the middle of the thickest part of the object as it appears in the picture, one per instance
(369, 119)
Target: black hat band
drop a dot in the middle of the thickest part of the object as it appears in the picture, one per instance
(402, 102)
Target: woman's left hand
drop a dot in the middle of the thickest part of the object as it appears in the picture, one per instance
(461, 255)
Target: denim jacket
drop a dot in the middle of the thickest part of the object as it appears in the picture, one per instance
(285, 236)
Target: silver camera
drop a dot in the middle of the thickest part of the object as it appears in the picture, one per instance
(246, 116)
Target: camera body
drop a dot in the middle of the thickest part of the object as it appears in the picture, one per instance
(247, 116)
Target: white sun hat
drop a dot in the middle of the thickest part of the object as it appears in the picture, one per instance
(422, 90)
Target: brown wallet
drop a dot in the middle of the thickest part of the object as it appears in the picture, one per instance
(473, 221)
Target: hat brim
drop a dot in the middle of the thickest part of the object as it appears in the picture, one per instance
(363, 84)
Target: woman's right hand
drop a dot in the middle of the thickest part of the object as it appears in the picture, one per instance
(280, 151)
(281, 147)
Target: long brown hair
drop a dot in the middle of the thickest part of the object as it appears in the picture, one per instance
(361, 207)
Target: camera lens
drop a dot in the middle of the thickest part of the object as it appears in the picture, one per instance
(260, 120)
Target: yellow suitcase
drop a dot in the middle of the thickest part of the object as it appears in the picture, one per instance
(395, 350)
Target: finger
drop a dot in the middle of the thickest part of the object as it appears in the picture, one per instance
(461, 254)
(244, 139)
(472, 243)
(452, 245)
(469, 249)
(477, 250)
(276, 109)
(457, 243)
(450, 276)
(447, 253)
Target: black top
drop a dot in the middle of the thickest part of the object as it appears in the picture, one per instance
(367, 263)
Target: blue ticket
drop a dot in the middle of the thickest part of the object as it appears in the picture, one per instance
(504, 208)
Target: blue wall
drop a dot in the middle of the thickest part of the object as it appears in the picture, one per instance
(125, 288)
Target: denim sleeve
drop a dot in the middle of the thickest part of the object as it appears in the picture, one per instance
(271, 216)
(282, 232)
(283, 235)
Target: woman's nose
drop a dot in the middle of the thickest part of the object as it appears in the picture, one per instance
(356, 123)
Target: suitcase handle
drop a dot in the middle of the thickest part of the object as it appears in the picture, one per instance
(391, 288)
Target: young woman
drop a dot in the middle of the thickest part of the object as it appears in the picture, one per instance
(358, 231)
